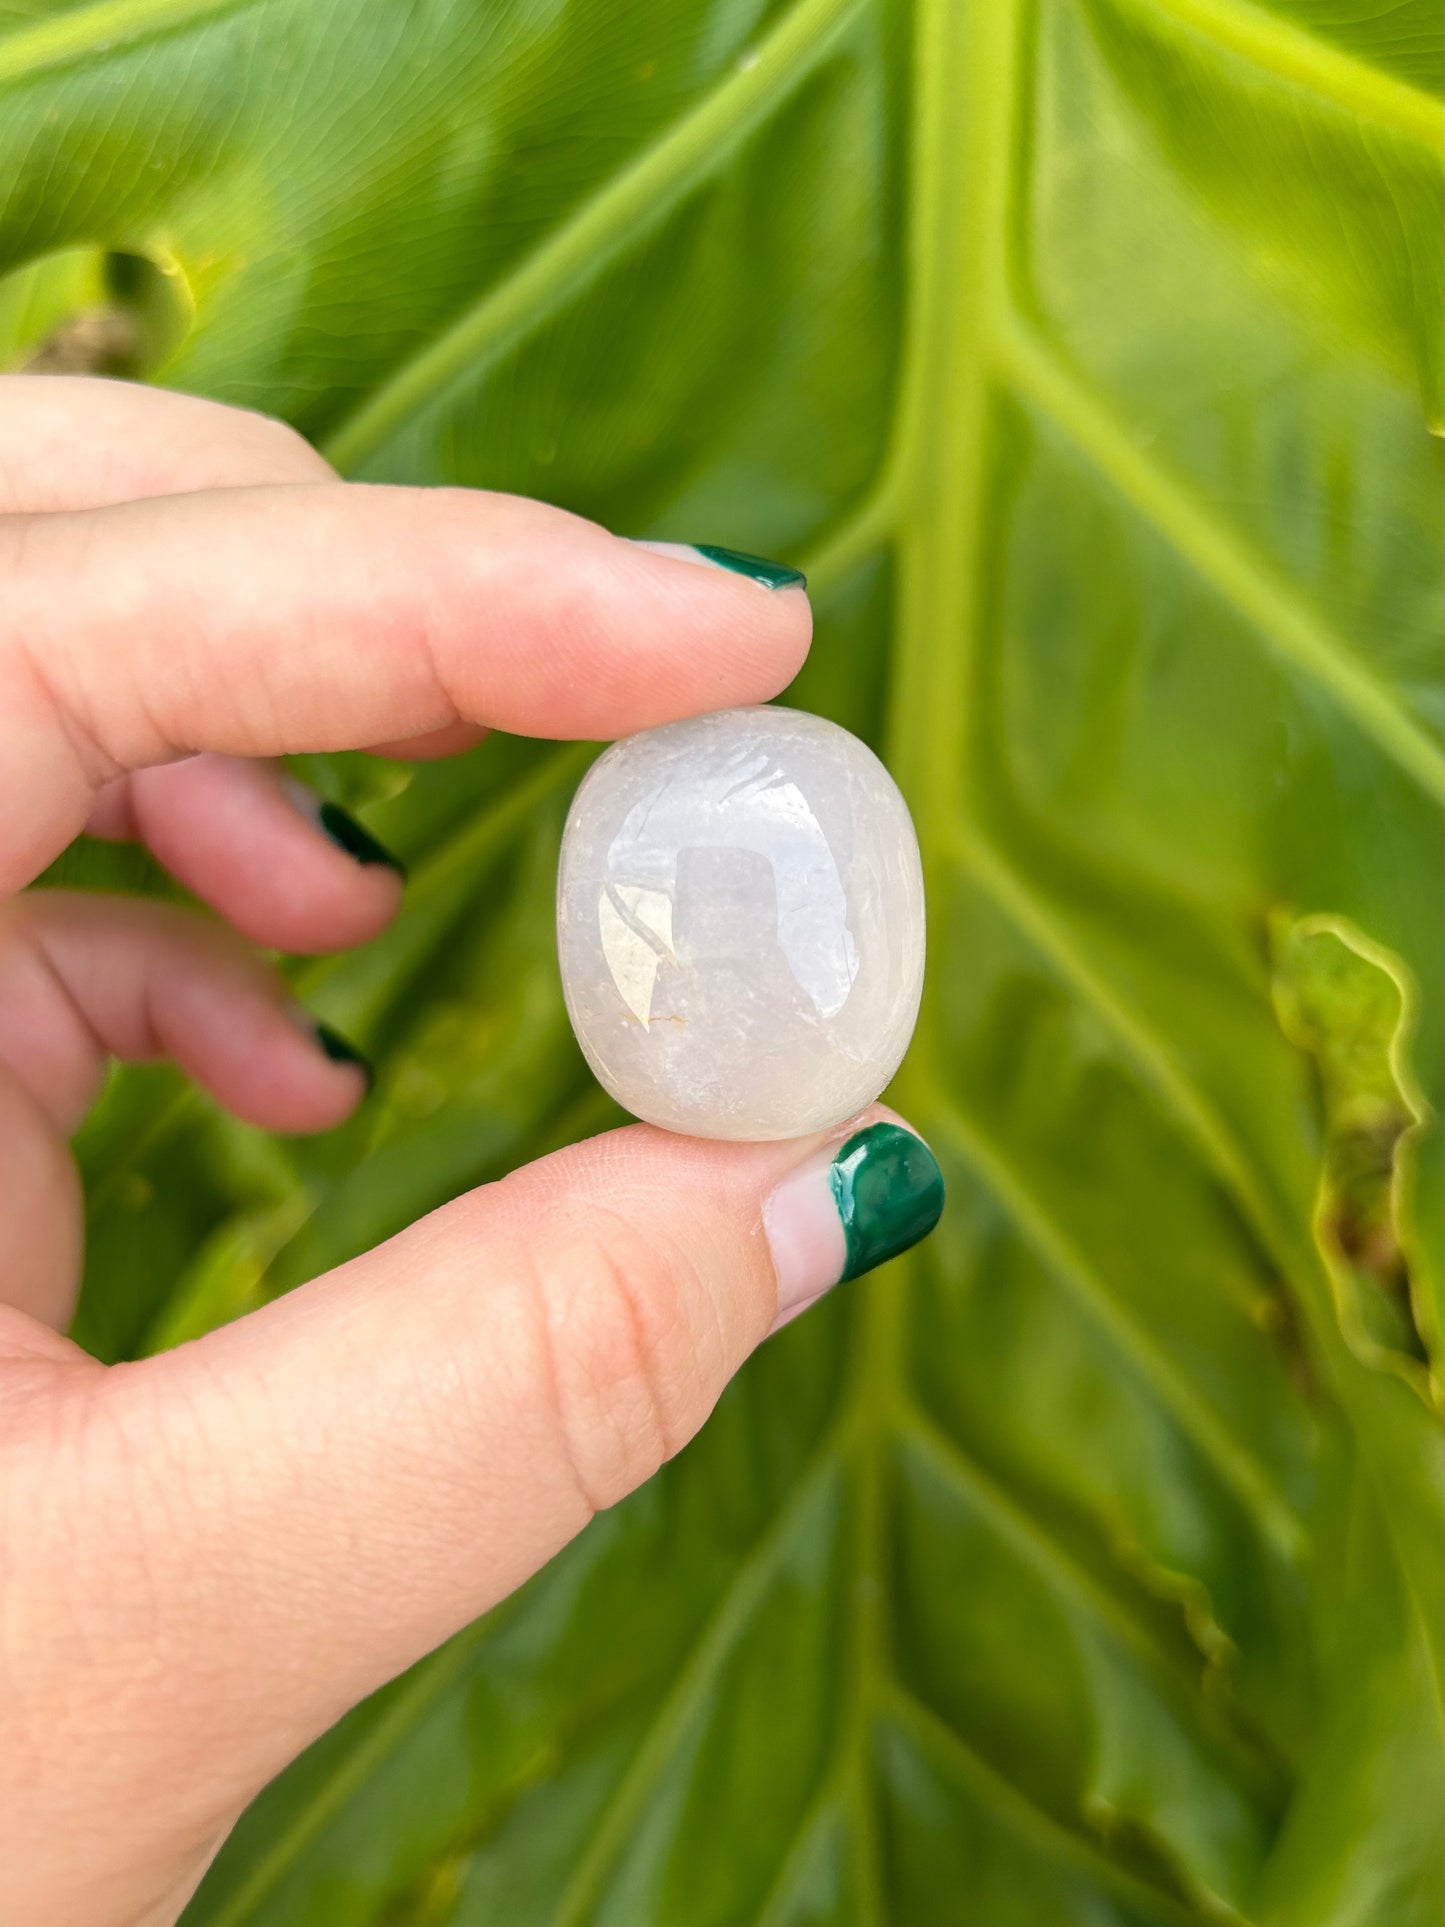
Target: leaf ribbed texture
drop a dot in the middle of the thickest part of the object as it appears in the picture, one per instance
(1085, 1565)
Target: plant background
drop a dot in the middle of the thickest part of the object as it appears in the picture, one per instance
(1084, 1567)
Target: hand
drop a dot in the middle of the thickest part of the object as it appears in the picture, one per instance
(210, 1555)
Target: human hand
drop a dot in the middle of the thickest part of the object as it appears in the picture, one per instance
(208, 1556)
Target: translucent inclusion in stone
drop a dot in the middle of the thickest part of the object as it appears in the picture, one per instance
(740, 924)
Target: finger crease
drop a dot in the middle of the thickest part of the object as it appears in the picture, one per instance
(552, 1382)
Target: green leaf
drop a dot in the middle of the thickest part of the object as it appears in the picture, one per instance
(1084, 1566)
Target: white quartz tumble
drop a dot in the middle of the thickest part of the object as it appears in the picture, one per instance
(740, 924)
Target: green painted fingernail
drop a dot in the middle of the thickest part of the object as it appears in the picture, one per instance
(353, 837)
(889, 1193)
(340, 1049)
(757, 568)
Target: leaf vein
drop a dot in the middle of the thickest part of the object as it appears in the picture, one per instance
(101, 29)
(1073, 1586)
(639, 196)
(1293, 54)
(1231, 1458)
(1038, 1830)
(1273, 607)
(745, 1591)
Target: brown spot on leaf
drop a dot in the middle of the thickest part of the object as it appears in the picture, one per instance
(1347, 1003)
(103, 341)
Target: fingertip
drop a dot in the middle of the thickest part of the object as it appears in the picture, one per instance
(829, 1206)
(285, 867)
(869, 1192)
(767, 574)
(549, 625)
(338, 1049)
(319, 1102)
(758, 610)
(274, 1065)
(345, 831)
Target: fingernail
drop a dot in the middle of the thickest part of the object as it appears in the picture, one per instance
(342, 828)
(339, 1049)
(850, 1207)
(757, 568)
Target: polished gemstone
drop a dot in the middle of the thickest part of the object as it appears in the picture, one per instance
(740, 924)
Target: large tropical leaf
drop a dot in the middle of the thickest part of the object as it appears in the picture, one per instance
(1084, 1568)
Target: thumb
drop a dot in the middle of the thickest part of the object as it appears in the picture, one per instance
(256, 1530)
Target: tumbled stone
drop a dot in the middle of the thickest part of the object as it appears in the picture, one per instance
(740, 924)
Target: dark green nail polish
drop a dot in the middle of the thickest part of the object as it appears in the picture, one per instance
(757, 568)
(889, 1193)
(341, 1050)
(353, 837)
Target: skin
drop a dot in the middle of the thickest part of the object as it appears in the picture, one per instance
(207, 1557)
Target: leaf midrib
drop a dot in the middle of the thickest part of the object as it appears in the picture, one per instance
(1274, 609)
(664, 172)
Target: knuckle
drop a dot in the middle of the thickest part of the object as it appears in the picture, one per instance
(622, 1352)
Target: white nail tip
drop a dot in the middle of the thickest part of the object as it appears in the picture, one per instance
(805, 1234)
(679, 552)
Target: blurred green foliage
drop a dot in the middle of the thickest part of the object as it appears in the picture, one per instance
(1084, 1567)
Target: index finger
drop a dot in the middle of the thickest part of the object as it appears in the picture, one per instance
(259, 621)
